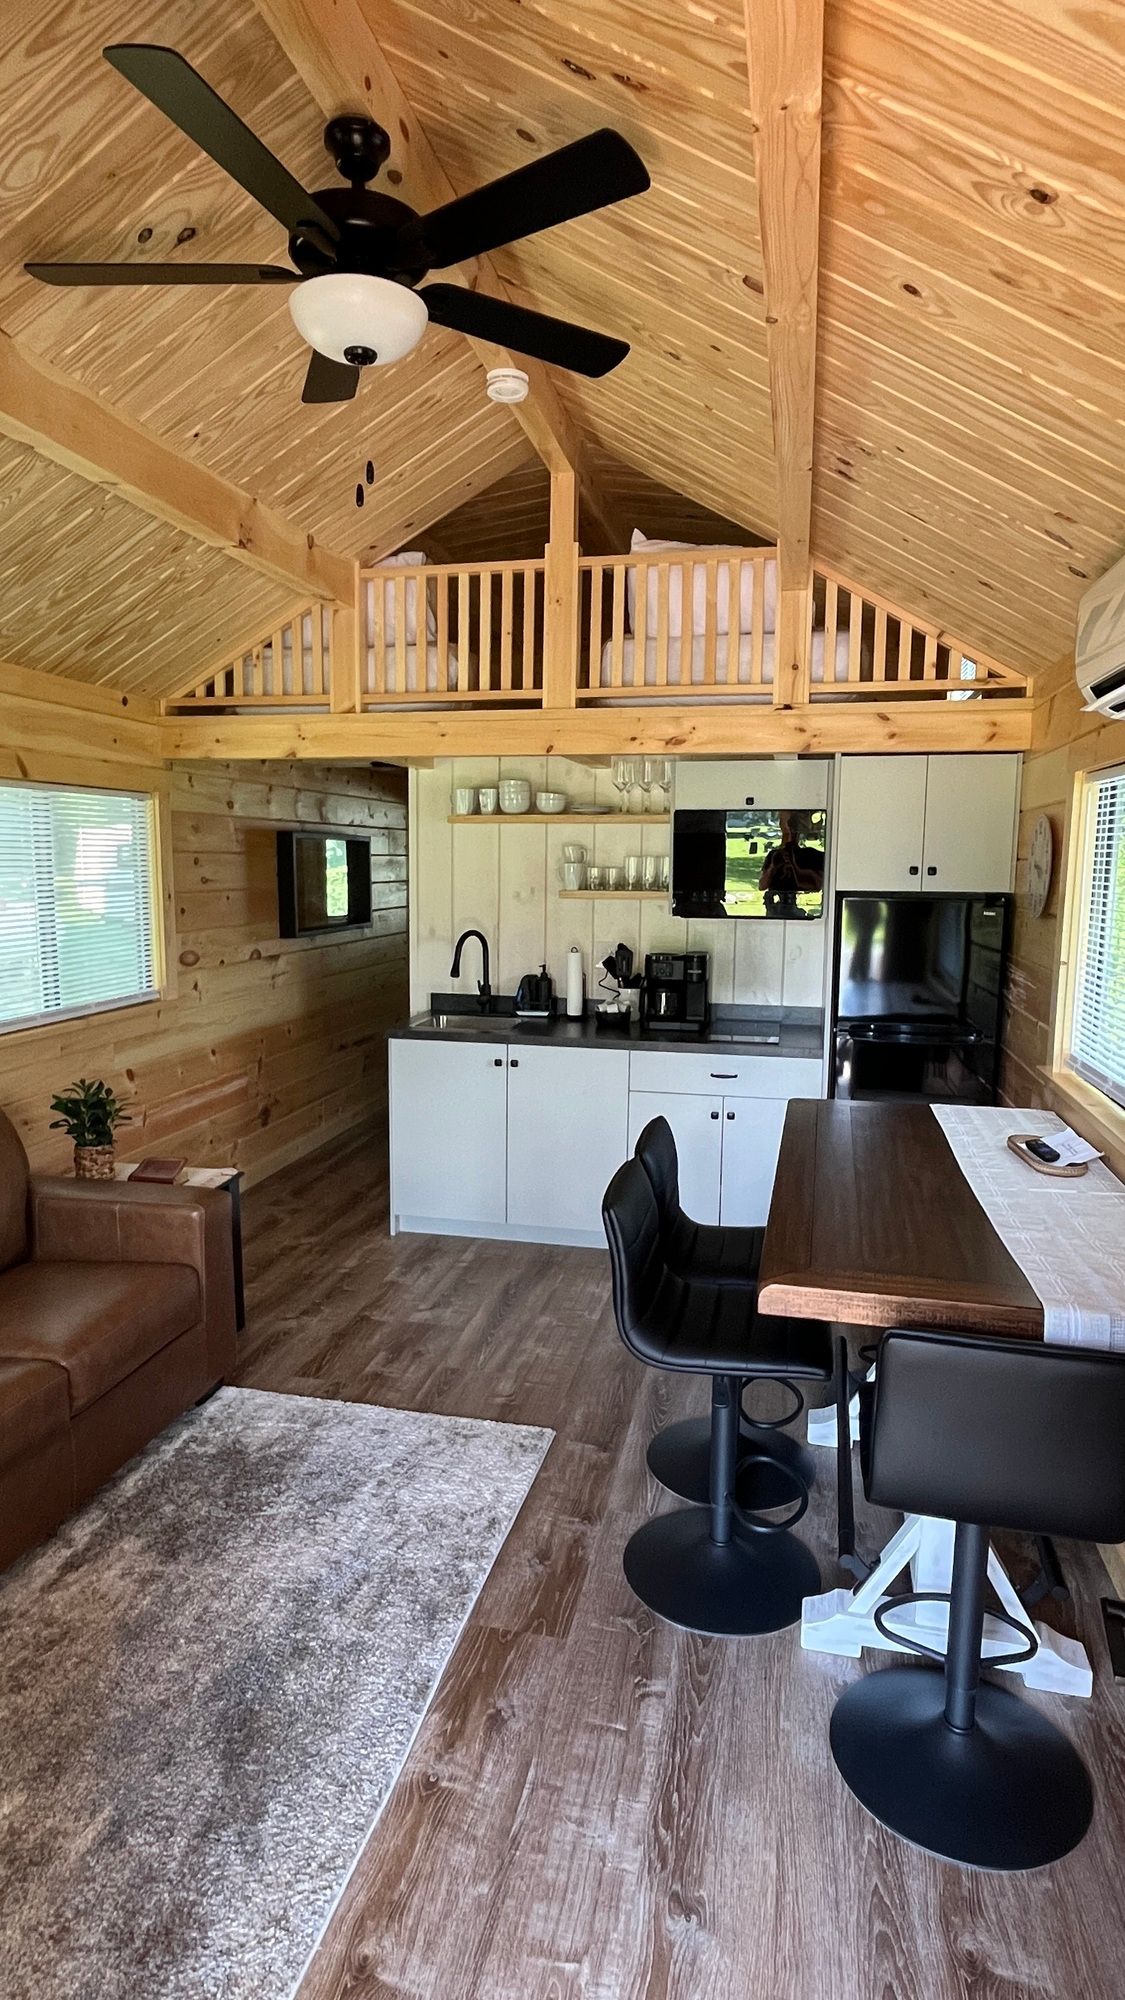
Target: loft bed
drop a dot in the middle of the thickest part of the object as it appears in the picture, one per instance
(668, 624)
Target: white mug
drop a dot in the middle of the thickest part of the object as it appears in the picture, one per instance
(464, 800)
(573, 874)
(488, 798)
(573, 852)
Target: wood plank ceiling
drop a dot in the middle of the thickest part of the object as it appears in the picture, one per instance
(970, 428)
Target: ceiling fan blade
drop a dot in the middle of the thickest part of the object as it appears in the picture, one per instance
(168, 80)
(591, 173)
(162, 274)
(329, 381)
(559, 341)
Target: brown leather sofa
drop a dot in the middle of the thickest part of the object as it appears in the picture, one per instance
(116, 1313)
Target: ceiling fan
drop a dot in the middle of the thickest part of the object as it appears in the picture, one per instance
(360, 255)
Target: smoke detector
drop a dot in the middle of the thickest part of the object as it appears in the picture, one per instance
(507, 385)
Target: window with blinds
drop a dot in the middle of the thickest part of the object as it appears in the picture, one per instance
(76, 902)
(1097, 1033)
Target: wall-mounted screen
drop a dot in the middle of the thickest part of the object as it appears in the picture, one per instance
(323, 882)
(751, 861)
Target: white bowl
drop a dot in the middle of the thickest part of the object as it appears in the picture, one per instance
(550, 802)
(515, 795)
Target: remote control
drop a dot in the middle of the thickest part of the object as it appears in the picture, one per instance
(1042, 1151)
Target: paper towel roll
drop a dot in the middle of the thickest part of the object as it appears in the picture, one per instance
(575, 984)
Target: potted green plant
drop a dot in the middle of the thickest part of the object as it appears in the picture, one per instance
(91, 1113)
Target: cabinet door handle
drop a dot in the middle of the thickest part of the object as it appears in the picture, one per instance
(497, 1062)
(724, 1076)
(515, 1063)
(914, 868)
(715, 1115)
(931, 871)
(730, 1114)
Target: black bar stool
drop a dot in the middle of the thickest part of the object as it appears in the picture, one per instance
(987, 1434)
(705, 1253)
(719, 1569)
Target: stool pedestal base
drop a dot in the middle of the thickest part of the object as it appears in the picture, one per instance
(753, 1583)
(1010, 1793)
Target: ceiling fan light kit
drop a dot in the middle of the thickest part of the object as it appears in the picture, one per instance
(361, 254)
(351, 317)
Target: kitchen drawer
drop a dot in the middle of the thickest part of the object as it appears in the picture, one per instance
(714, 1073)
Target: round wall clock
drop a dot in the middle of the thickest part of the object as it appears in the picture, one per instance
(1039, 865)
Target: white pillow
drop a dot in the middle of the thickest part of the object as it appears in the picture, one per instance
(640, 543)
(406, 559)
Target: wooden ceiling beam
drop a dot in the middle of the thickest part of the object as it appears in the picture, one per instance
(65, 423)
(785, 56)
(339, 59)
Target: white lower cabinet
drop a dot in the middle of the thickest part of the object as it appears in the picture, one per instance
(751, 1143)
(568, 1115)
(449, 1128)
(697, 1128)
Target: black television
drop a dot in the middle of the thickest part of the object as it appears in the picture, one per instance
(764, 861)
(323, 882)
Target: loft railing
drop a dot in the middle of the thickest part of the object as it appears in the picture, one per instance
(655, 625)
(625, 630)
(451, 635)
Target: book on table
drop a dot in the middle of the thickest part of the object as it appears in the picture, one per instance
(165, 1172)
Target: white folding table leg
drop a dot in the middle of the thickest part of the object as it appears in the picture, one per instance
(842, 1621)
(822, 1423)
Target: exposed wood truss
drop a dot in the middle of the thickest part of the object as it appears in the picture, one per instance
(41, 407)
(343, 65)
(784, 49)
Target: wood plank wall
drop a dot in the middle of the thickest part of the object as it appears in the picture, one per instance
(265, 1048)
(1067, 740)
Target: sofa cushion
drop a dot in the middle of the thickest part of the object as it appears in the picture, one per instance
(96, 1321)
(13, 1195)
(34, 1408)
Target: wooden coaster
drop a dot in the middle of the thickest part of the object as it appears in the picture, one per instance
(1018, 1143)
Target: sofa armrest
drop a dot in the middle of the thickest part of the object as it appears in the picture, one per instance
(126, 1222)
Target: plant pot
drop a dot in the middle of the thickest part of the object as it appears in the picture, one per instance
(94, 1163)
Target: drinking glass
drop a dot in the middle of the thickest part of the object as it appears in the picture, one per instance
(594, 876)
(646, 779)
(621, 781)
(649, 872)
(632, 870)
(665, 871)
(611, 878)
(664, 780)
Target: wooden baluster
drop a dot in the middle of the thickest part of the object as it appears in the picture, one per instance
(879, 651)
(855, 635)
(617, 630)
(831, 626)
(640, 627)
(463, 633)
(662, 583)
(485, 675)
(275, 679)
(320, 685)
(929, 658)
(530, 607)
(905, 648)
(506, 631)
(405, 678)
(758, 627)
(710, 625)
(589, 668)
(441, 640)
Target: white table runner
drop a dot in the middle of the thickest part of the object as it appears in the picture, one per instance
(1067, 1236)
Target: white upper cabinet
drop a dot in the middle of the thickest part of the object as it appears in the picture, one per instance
(939, 823)
(970, 830)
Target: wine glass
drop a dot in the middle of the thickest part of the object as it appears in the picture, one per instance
(621, 781)
(646, 779)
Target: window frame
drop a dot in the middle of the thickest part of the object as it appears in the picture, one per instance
(161, 912)
(1074, 933)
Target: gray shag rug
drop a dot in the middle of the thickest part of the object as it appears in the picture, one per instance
(209, 1680)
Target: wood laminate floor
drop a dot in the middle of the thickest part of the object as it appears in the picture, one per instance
(598, 1807)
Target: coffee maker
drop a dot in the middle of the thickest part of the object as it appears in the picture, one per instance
(674, 993)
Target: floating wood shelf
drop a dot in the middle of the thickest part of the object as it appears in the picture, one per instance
(614, 895)
(560, 819)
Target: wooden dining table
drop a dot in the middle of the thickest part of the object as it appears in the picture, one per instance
(873, 1224)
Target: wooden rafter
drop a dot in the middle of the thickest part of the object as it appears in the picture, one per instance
(338, 57)
(785, 56)
(63, 422)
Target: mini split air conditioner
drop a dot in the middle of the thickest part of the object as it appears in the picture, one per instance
(1099, 648)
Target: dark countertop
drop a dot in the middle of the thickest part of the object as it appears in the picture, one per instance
(798, 1037)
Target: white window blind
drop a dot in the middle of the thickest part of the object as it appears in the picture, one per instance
(1097, 1037)
(76, 902)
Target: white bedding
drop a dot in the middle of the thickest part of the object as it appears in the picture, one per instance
(421, 670)
(742, 663)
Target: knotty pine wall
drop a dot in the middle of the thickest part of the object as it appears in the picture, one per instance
(1067, 740)
(263, 1048)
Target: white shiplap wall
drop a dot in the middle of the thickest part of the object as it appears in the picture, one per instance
(502, 877)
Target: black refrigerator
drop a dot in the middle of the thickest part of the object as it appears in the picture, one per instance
(918, 985)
